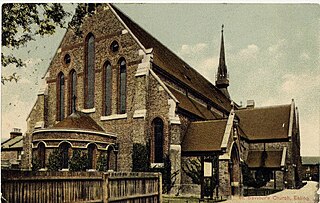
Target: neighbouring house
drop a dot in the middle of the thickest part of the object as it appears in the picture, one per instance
(116, 87)
(11, 150)
(311, 167)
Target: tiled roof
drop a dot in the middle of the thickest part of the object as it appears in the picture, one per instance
(265, 123)
(273, 159)
(79, 121)
(310, 160)
(204, 136)
(171, 64)
(192, 106)
(12, 143)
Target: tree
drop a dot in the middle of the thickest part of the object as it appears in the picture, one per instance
(23, 22)
(78, 161)
(140, 157)
(55, 160)
(102, 163)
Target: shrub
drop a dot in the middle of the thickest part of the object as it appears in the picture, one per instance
(78, 161)
(55, 160)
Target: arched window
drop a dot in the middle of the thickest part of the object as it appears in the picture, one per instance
(89, 71)
(107, 78)
(64, 148)
(158, 140)
(72, 91)
(42, 154)
(92, 155)
(122, 86)
(60, 97)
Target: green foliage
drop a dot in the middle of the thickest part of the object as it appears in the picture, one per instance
(262, 176)
(82, 10)
(78, 161)
(169, 179)
(102, 163)
(21, 22)
(192, 168)
(140, 157)
(248, 179)
(55, 160)
(36, 164)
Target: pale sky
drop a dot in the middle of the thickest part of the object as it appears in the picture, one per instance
(272, 55)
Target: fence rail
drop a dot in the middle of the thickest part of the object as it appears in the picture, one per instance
(26, 186)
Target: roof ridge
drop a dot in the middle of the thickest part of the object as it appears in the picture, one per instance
(263, 107)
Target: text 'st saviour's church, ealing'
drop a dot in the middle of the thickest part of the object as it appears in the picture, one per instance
(116, 85)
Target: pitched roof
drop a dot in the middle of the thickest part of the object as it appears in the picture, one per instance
(13, 143)
(265, 123)
(171, 64)
(79, 121)
(310, 160)
(204, 136)
(192, 106)
(272, 160)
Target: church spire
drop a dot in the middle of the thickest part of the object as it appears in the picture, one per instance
(222, 80)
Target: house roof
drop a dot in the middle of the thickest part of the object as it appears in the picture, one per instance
(204, 136)
(13, 143)
(265, 123)
(79, 121)
(192, 106)
(273, 159)
(310, 160)
(172, 65)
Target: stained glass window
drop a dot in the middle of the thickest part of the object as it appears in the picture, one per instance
(108, 88)
(122, 86)
(90, 72)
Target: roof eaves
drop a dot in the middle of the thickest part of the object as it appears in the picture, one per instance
(283, 158)
(224, 143)
(291, 119)
(163, 85)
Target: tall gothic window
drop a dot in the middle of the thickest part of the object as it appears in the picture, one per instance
(122, 86)
(60, 97)
(92, 154)
(42, 154)
(107, 88)
(158, 140)
(64, 148)
(72, 91)
(89, 71)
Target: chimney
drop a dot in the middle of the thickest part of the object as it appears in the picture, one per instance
(250, 104)
(15, 132)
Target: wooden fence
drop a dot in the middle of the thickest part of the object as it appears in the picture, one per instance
(46, 187)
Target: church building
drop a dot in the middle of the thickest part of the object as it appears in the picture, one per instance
(116, 86)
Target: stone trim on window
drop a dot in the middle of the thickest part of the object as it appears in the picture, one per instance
(114, 117)
(92, 110)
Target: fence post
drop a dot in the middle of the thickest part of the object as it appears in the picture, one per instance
(105, 187)
(160, 187)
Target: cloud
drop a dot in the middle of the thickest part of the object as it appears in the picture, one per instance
(300, 83)
(187, 49)
(304, 56)
(251, 51)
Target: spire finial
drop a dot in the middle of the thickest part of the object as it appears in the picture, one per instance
(222, 26)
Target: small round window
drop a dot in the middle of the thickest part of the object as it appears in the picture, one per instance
(67, 59)
(114, 46)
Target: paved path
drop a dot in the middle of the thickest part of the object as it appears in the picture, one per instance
(307, 194)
